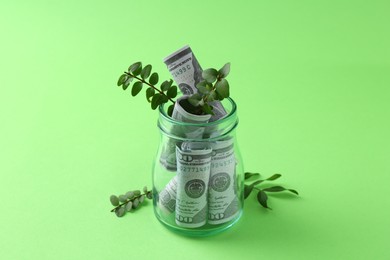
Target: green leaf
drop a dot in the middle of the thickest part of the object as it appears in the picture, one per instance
(129, 206)
(145, 73)
(211, 96)
(114, 200)
(135, 203)
(195, 99)
(153, 80)
(127, 82)
(122, 198)
(210, 75)
(135, 68)
(121, 79)
(274, 177)
(203, 87)
(149, 93)
(129, 195)
(207, 109)
(224, 71)
(137, 192)
(170, 110)
(172, 92)
(262, 199)
(120, 212)
(247, 190)
(166, 85)
(250, 174)
(279, 189)
(156, 101)
(222, 88)
(257, 182)
(163, 99)
(136, 88)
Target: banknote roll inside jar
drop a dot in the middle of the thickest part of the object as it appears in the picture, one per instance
(203, 194)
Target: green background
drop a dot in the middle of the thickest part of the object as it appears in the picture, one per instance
(311, 79)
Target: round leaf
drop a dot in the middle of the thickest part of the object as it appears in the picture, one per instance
(129, 79)
(210, 75)
(149, 93)
(224, 71)
(121, 79)
(135, 203)
(120, 212)
(135, 68)
(163, 99)
(222, 88)
(155, 100)
(172, 92)
(122, 198)
(145, 73)
(129, 195)
(129, 206)
(153, 78)
(136, 88)
(166, 85)
(170, 111)
(114, 200)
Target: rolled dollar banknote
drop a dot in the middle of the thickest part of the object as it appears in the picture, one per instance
(167, 197)
(223, 201)
(168, 155)
(187, 73)
(193, 173)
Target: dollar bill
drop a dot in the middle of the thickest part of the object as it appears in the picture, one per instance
(168, 155)
(193, 173)
(187, 73)
(223, 201)
(167, 197)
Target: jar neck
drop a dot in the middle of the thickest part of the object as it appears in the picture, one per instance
(192, 130)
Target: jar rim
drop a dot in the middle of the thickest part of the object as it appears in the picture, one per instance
(217, 122)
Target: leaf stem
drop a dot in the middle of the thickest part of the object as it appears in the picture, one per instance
(150, 85)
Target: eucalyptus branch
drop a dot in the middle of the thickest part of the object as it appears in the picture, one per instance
(130, 200)
(154, 96)
(213, 87)
(262, 192)
(150, 85)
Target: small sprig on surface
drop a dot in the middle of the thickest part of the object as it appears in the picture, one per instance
(262, 197)
(144, 76)
(131, 200)
(214, 86)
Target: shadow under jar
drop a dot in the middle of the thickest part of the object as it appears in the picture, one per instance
(198, 174)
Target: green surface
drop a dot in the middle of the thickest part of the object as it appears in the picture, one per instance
(311, 79)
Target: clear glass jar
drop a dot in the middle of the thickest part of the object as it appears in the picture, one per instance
(198, 174)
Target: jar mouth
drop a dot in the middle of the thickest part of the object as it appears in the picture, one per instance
(226, 118)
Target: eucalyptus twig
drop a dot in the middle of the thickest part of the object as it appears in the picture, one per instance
(131, 200)
(150, 85)
(262, 195)
(154, 96)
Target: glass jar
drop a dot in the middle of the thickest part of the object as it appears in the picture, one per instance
(198, 174)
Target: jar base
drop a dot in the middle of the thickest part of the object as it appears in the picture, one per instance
(204, 231)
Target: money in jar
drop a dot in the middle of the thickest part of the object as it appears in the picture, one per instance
(193, 173)
(223, 201)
